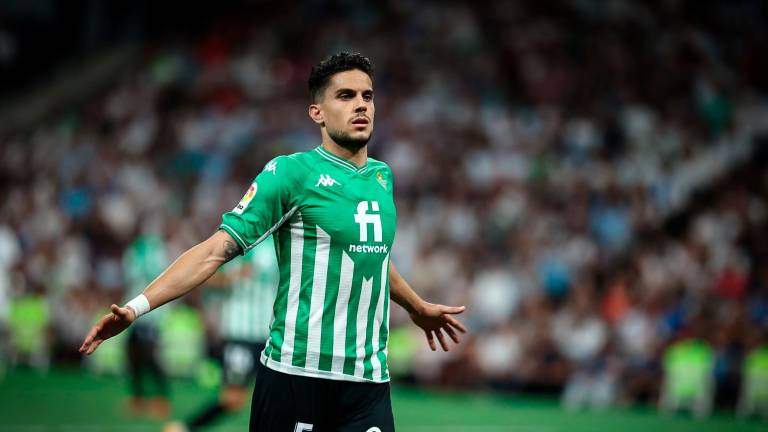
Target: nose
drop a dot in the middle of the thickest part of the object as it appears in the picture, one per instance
(360, 105)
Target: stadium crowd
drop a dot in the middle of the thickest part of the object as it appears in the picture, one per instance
(549, 164)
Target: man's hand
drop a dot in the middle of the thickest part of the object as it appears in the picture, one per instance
(435, 319)
(110, 325)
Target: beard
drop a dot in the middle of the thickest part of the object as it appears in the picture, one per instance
(346, 141)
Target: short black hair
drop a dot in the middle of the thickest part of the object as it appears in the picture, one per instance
(341, 62)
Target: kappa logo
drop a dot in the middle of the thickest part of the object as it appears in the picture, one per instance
(326, 180)
(271, 167)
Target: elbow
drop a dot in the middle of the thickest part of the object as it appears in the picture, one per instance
(220, 249)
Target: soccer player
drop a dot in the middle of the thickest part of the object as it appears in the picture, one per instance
(332, 213)
(143, 260)
(244, 328)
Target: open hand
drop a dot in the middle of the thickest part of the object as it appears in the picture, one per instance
(110, 325)
(435, 319)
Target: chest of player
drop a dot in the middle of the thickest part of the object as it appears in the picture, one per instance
(357, 211)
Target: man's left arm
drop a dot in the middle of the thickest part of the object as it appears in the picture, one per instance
(434, 319)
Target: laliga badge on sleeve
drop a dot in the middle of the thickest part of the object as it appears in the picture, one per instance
(246, 199)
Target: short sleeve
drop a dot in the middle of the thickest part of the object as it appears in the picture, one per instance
(266, 205)
(391, 180)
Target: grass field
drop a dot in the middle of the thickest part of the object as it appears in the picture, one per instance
(68, 400)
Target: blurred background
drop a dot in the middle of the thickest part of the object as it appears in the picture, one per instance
(588, 177)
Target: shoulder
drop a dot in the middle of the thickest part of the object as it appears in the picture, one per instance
(293, 167)
(378, 167)
(376, 164)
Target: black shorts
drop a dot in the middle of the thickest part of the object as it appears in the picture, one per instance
(239, 361)
(292, 403)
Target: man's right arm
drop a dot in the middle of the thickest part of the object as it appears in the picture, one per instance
(190, 270)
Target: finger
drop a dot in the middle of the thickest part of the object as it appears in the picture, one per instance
(441, 338)
(89, 338)
(451, 333)
(430, 340)
(122, 313)
(452, 309)
(94, 346)
(85, 344)
(455, 323)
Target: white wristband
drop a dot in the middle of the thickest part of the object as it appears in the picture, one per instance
(139, 304)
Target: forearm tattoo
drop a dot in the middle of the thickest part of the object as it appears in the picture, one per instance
(231, 250)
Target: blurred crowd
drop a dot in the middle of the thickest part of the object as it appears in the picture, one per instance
(582, 176)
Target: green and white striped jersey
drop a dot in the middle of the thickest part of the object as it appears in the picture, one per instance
(333, 224)
(246, 311)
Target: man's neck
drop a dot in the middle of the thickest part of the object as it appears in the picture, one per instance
(358, 158)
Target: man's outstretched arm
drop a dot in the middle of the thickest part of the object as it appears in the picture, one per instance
(434, 319)
(190, 270)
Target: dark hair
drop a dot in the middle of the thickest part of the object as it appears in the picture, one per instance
(322, 72)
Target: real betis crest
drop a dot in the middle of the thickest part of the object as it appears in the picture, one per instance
(380, 179)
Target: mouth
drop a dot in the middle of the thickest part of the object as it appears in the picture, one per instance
(360, 121)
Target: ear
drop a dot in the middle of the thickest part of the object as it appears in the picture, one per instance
(316, 114)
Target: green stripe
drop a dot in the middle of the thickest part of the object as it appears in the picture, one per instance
(350, 346)
(367, 365)
(384, 334)
(329, 309)
(305, 297)
(281, 301)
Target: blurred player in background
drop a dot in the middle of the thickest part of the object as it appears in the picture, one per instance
(144, 259)
(332, 212)
(246, 313)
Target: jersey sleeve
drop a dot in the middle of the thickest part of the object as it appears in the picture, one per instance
(266, 205)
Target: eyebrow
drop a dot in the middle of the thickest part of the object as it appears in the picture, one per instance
(344, 90)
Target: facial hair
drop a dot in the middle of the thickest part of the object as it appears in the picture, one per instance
(346, 141)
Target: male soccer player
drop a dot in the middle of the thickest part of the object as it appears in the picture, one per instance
(143, 260)
(332, 213)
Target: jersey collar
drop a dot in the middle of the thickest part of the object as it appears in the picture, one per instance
(335, 159)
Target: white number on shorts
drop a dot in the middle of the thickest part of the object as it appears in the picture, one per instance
(373, 429)
(302, 427)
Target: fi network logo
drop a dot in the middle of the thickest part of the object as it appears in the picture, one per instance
(363, 218)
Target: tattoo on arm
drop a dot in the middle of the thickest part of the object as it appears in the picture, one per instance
(231, 250)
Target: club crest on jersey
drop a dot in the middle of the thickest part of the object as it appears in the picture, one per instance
(271, 167)
(246, 199)
(380, 179)
(326, 180)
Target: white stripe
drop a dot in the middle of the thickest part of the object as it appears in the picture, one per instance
(266, 234)
(340, 319)
(378, 316)
(362, 324)
(318, 299)
(344, 164)
(386, 326)
(294, 289)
